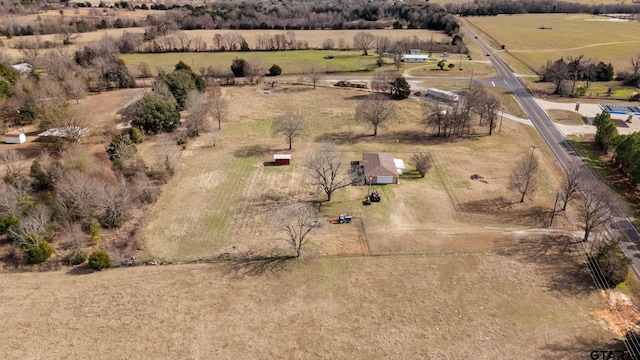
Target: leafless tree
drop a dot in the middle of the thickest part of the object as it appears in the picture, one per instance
(14, 165)
(10, 199)
(197, 105)
(570, 188)
(219, 107)
(313, 74)
(575, 67)
(254, 71)
(422, 162)
(35, 222)
(596, 211)
(58, 66)
(31, 50)
(397, 61)
(381, 81)
(383, 44)
(168, 155)
(77, 191)
(325, 167)
(377, 111)
(297, 221)
(290, 125)
(67, 34)
(328, 44)
(524, 178)
(491, 106)
(438, 117)
(144, 70)
(635, 66)
(75, 87)
(363, 41)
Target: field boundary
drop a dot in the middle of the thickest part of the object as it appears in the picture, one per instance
(445, 184)
(366, 236)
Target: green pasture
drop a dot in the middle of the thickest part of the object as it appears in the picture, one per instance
(536, 38)
(291, 62)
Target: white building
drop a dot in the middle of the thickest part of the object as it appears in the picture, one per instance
(15, 137)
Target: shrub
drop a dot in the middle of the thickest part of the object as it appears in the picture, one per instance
(238, 67)
(275, 70)
(135, 135)
(38, 250)
(99, 260)
(92, 227)
(77, 257)
(610, 261)
(8, 221)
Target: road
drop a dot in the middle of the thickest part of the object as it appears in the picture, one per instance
(621, 227)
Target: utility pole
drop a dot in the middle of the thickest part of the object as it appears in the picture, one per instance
(471, 81)
(501, 114)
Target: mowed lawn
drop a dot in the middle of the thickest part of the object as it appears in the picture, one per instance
(291, 62)
(563, 35)
(223, 198)
(523, 306)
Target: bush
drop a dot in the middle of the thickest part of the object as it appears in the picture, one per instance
(76, 257)
(99, 260)
(92, 227)
(275, 70)
(238, 67)
(8, 221)
(38, 251)
(135, 135)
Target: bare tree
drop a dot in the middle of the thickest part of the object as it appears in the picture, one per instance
(570, 187)
(491, 106)
(219, 108)
(381, 81)
(422, 162)
(397, 61)
(524, 178)
(67, 34)
(297, 221)
(59, 67)
(325, 166)
(14, 164)
(197, 105)
(290, 125)
(596, 211)
(377, 111)
(314, 75)
(635, 66)
(363, 41)
(575, 68)
(75, 87)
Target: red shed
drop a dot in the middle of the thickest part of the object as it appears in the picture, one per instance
(282, 159)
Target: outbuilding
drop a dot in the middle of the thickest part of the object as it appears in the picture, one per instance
(282, 159)
(14, 137)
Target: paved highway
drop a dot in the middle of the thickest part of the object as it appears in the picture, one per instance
(621, 227)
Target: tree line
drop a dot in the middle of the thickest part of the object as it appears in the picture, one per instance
(281, 15)
(565, 75)
(496, 7)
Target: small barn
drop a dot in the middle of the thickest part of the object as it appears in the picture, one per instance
(380, 168)
(413, 58)
(14, 137)
(282, 159)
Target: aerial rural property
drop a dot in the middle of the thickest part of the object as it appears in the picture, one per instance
(320, 179)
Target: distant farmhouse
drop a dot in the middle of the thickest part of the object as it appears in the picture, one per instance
(415, 57)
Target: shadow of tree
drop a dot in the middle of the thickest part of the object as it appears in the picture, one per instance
(509, 212)
(243, 265)
(358, 97)
(341, 138)
(252, 150)
(584, 348)
(80, 270)
(557, 258)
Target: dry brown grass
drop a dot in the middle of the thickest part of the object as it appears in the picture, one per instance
(397, 307)
(440, 289)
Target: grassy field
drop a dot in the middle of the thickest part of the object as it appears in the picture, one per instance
(291, 62)
(216, 202)
(395, 307)
(564, 35)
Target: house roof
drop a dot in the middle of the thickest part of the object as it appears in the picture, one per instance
(281, 156)
(379, 164)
